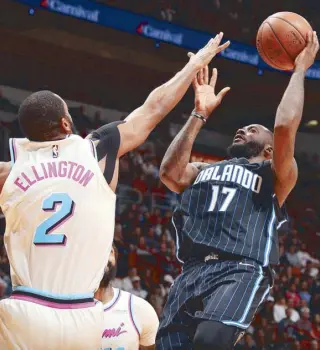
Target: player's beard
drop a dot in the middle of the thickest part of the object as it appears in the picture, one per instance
(109, 275)
(245, 150)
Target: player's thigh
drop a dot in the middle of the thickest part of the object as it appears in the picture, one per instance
(236, 296)
(177, 326)
(32, 326)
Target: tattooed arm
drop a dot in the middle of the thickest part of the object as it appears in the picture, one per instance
(175, 171)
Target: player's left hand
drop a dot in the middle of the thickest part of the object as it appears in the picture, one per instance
(206, 100)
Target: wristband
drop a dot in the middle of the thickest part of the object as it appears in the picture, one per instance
(199, 116)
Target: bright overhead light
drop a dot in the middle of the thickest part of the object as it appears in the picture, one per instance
(312, 123)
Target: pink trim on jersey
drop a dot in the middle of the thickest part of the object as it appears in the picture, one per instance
(114, 303)
(53, 304)
(131, 316)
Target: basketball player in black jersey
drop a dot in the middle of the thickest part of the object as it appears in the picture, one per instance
(227, 218)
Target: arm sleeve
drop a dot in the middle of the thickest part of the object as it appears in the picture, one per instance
(108, 146)
(146, 321)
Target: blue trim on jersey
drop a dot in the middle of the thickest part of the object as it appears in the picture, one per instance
(240, 323)
(177, 241)
(115, 298)
(11, 149)
(269, 240)
(52, 295)
(132, 317)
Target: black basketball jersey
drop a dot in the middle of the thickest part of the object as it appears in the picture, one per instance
(231, 206)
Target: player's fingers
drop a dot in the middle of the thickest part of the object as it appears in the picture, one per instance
(214, 78)
(223, 93)
(195, 83)
(201, 76)
(206, 75)
(190, 54)
(223, 46)
(309, 38)
(315, 40)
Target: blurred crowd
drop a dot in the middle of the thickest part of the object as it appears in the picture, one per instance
(239, 19)
(147, 266)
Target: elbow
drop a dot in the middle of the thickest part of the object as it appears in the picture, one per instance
(163, 173)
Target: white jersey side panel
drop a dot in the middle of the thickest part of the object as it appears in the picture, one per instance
(129, 321)
(60, 216)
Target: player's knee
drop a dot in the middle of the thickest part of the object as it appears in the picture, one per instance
(214, 335)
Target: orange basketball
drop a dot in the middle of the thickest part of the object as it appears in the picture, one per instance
(280, 39)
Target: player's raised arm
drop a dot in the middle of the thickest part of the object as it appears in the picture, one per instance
(288, 119)
(175, 171)
(139, 124)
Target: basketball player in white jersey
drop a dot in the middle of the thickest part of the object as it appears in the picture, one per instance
(57, 195)
(130, 322)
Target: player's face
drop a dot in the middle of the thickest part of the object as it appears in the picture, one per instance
(110, 271)
(250, 141)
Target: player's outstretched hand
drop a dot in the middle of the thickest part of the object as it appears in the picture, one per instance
(306, 58)
(206, 99)
(204, 56)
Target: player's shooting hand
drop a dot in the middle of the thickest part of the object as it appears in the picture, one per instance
(206, 99)
(204, 56)
(306, 58)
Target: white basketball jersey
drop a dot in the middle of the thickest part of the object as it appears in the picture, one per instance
(129, 321)
(60, 215)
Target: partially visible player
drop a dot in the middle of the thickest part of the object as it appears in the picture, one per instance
(130, 322)
(57, 195)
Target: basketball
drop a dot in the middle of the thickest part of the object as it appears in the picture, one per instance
(280, 39)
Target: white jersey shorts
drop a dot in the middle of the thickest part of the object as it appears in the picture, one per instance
(31, 320)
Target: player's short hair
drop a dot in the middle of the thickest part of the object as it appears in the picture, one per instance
(40, 115)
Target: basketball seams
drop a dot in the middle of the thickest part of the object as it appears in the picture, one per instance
(291, 26)
(284, 49)
(269, 58)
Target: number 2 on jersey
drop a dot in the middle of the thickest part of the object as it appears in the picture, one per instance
(229, 192)
(42, 235)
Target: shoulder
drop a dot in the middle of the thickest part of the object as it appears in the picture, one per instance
(142, 308)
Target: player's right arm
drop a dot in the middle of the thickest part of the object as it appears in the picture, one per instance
(5, 168)
(287, 121)
(175, 171)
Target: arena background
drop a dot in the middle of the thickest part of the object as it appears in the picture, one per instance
(104, 58)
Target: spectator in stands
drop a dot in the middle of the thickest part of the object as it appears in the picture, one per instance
(292, 256)
(304, 292)
(286, 327)
(304, 326)
(137, 289)
(279, 309)
(292, 294)
(127, 281)
(304, 257)
(294, 314)
(156, 299)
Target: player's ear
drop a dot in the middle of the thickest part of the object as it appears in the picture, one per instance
(268, 152)
(66, 125)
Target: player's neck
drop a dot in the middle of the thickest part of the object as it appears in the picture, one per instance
(257, 159)
(105, 294)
